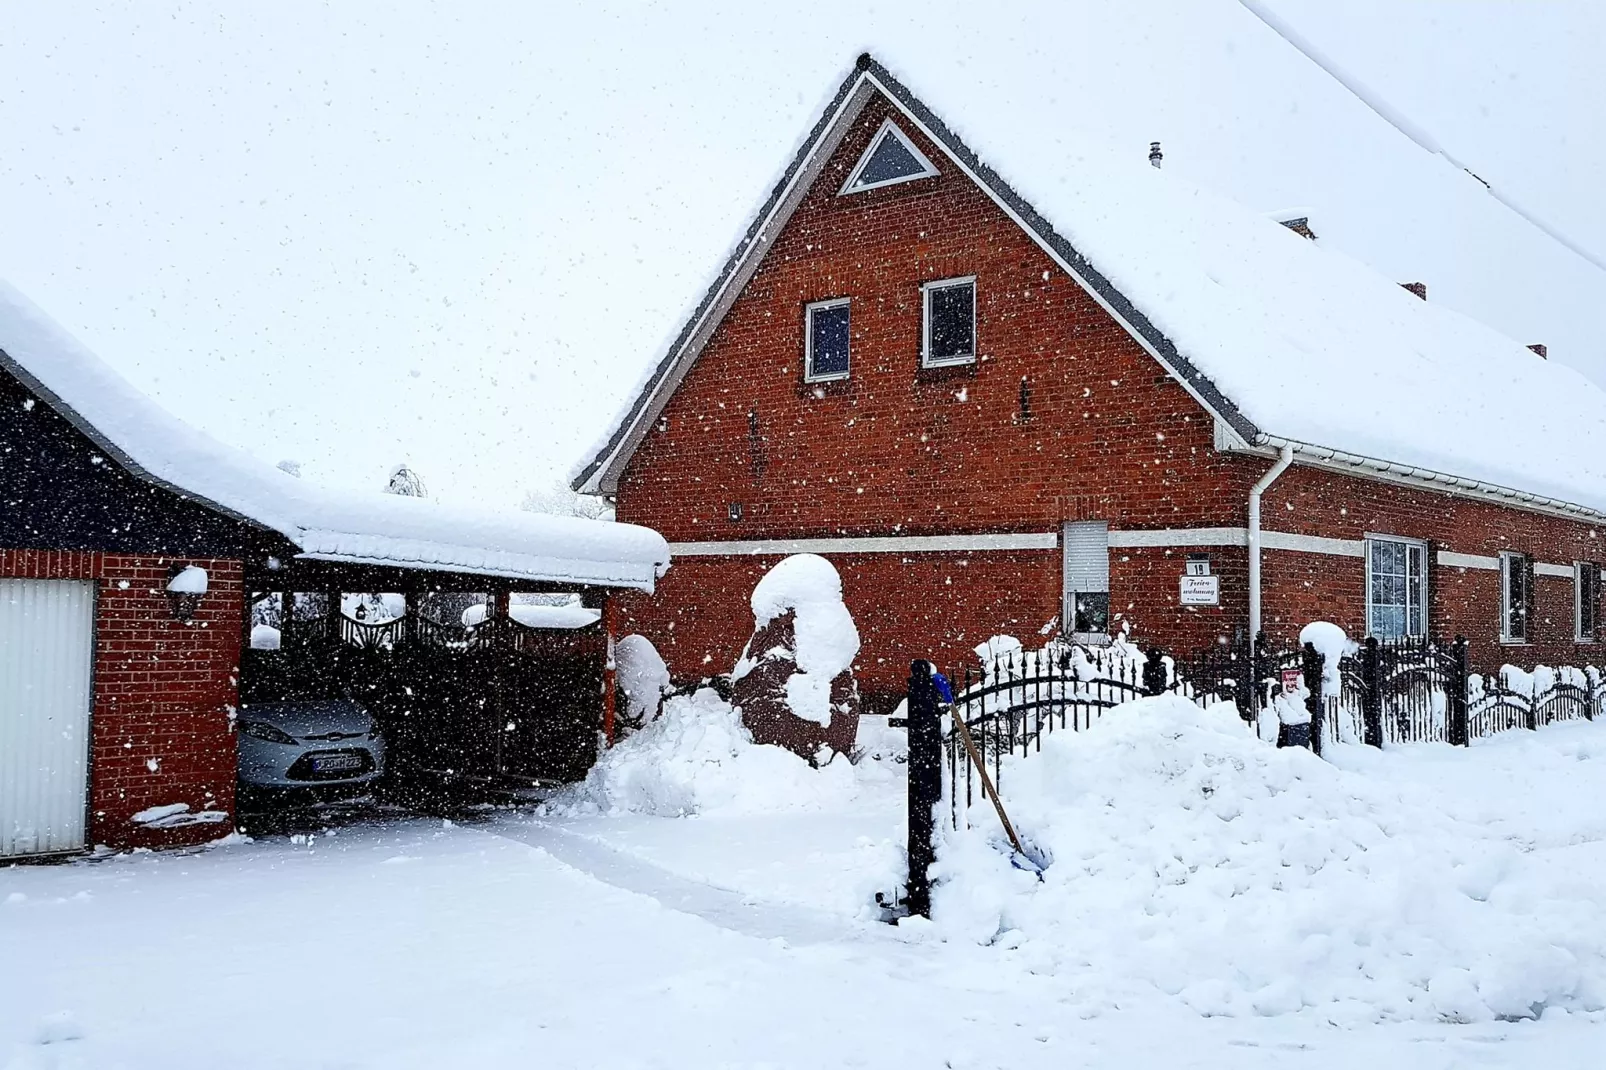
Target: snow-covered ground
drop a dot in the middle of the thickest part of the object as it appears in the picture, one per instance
(737, 935)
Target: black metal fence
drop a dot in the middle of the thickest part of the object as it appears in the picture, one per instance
(1384, 691)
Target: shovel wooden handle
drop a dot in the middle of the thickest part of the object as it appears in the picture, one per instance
(987, 781)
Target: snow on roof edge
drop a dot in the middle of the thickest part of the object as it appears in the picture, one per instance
(155, 446)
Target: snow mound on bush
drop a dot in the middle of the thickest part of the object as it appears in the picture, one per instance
(698, 758)
(808, 585)
(1189, 856)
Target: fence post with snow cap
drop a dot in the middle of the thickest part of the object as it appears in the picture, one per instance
(1313, 667)
(925, 784)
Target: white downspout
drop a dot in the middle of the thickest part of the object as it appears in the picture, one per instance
(1284, 458)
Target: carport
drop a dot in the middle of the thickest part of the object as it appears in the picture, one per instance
(516, 696)
(132, 550)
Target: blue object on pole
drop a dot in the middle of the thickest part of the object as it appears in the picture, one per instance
(944, 691)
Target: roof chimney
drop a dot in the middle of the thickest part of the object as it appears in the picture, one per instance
(1541, 349)
(1155, 155)
(1418, 288)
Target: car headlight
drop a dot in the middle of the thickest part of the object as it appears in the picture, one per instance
(264, 731)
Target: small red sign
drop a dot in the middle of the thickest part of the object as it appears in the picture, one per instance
(1291, 681)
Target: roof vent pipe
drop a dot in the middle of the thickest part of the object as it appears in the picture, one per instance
(1155, 155)
(1542, 349)
(1418, 288)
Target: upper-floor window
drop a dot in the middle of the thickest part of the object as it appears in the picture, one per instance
(1516, 595)
(825, 343)
(949, 320)
(1586, 600)
(1396, 586)
(1085, 591)
(890, 159)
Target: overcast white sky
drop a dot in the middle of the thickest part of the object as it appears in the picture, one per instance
(456, 234)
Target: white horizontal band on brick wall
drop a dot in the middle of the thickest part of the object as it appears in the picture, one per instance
(1542, 568)
(1312, 544)
(1455, 560)
(873, 544)
(1180, 537)
(1269, 540)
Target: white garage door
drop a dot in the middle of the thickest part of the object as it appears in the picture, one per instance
(47, 630)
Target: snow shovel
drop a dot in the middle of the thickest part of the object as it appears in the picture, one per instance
(1032, 863)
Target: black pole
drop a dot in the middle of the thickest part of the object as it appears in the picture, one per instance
(1154, 673)
(1460, 723)
(1372, 693)
(925, 784)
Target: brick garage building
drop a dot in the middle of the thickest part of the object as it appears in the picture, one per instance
(998, 414)
(117, 695)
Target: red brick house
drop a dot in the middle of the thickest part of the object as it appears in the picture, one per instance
(1017, 388)
(117, 694)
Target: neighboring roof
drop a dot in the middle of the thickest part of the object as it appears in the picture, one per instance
(1284, 340)
(372, 528)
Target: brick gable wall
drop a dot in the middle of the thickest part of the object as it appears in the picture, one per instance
(900, 450)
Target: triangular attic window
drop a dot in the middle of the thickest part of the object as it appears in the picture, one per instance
(891, 158)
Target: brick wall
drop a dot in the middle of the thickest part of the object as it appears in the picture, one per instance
(899, 450)
(164, 689)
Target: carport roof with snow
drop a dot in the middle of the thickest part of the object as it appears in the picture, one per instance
(361, 529)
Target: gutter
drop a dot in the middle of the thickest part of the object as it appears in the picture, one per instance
(1284, 458)
(1429, 479)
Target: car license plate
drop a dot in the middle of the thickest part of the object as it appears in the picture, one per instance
(333, 763)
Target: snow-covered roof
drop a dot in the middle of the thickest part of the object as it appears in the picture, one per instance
(1287, 341)
(372, 528)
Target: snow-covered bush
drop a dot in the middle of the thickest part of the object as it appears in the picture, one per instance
(642, 676)
(698, 758)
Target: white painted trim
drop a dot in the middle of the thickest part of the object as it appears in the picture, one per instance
(1136, 538)
(928, 169)
(1313, 544)
(926, 289)
(1560, 572)
(1454, 560)
(808, 339)
(872, 544)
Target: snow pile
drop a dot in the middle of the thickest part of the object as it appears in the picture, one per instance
(1190, 857)
(265, 637)
(826, 640)
(535, 616)
(641, 675)
(176, 815)
(698, 758)
(1333, 645)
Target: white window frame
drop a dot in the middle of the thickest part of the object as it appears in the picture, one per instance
(1426, 597)
(1071, 586)
(926, 290)
(808, 340)
(927, 168)
(1580, 570)
(1506, 558)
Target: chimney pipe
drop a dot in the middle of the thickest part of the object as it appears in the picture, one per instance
(1155, 155)
(1542, 349)
(1418, 288)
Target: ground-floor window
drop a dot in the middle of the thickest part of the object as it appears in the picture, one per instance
(1086, 592)
(1586, 600)
(1516, 595)
(1396, 586)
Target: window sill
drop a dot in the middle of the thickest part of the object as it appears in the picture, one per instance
(1508, 641)
(1091, 638)
(943, 373)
